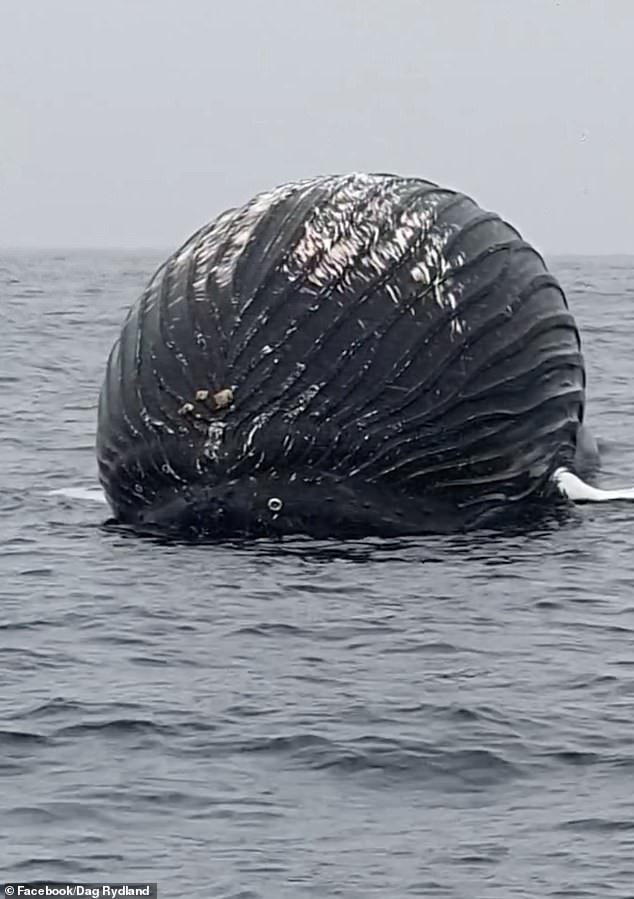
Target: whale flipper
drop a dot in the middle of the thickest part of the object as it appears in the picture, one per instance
(573, 488)
(86, 494)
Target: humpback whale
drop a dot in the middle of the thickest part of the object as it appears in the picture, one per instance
(345, 356)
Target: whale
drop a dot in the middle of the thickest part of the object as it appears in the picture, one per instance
(346, 356)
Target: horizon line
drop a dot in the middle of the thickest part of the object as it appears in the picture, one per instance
(168, 252)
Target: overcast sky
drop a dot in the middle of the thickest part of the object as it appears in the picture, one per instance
(129, 123)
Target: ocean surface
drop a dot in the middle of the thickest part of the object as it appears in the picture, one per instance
(438, 717)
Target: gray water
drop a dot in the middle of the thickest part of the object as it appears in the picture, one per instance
(433, 717)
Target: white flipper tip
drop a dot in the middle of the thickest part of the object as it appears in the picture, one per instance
(87, 494)
(572, 487)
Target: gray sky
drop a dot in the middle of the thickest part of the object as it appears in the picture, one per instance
(129, 123)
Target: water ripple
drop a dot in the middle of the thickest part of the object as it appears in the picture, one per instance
(446, 717)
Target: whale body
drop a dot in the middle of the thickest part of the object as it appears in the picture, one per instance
(343, 356)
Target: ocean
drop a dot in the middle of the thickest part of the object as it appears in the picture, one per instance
(436, 717)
